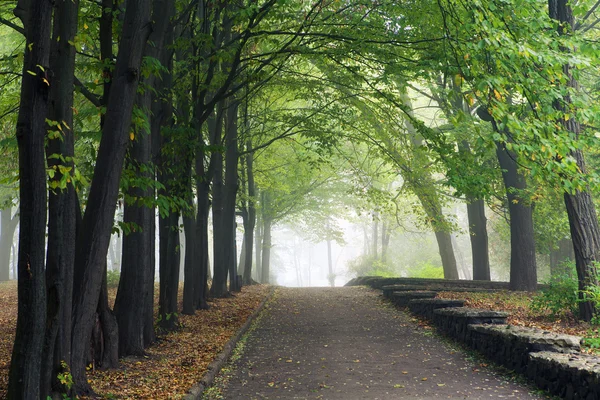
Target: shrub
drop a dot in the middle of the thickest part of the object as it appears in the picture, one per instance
(371, 266)
(426, 270)
(112, 279)
(561, 295)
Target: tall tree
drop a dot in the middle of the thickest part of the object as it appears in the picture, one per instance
(26, 362)
(92, 243)
(583, 220)
(135, 297)
(523, 265)
(63, 205)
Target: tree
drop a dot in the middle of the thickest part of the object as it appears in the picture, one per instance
(92, 244)
(26, 361)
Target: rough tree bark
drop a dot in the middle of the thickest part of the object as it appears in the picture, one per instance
(92, 243)
(479, 239)
(63, 206)
(583, 220)
(136, 285)
(523, 266)
(220, 270)
(26, 362)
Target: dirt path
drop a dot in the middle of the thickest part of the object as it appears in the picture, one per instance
(346, 343)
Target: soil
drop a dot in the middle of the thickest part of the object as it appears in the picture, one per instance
(348, 343)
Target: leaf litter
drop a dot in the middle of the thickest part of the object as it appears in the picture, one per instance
(172, 365)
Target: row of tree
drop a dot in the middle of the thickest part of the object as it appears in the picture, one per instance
(261, 109)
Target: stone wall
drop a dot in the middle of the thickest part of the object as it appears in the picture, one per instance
(552, 361)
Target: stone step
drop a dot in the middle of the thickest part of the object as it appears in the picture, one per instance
(401, 299)
(454, 322)
(425, 307)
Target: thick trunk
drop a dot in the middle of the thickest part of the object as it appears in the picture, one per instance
(8, 224)
(201, 282)
(92, 243)
(191, 263)
(137, 267)
(585, 235)
(26, 362)
(523, 267)
(444, 241)
(266, 251)
(220, 267)
(479, 240)
(109, 330)
(169, 272)
(442, 236)
(583, 220)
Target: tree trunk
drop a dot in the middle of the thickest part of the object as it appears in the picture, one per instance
(523, 266)
(479, 239)
(26, 362)
(201, 283)
(230, 194)
(169, 271)
(220, 266)
(109, 329)
(330, 276)
(442, 236)
(92, 243)
(137, 267)
(191, 262)
(385, 240)
(583, 220)
(250, 221)
(266, 250)
(258, 240)
(444, 241)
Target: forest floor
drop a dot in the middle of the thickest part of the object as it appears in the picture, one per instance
(521, 313)
(173, 364)
(177, 361)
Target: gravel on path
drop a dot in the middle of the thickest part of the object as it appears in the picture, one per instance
(348, 343)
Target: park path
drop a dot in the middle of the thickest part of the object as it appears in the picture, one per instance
(347, 343)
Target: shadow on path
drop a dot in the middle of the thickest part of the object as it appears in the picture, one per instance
(346, 343)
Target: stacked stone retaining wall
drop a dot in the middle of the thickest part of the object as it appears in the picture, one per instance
(552, 361)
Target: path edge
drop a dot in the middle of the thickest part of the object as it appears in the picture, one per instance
(196, 391)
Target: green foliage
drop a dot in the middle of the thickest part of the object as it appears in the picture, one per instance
(368, 265)
(112, 279)
(561, 296)
(426, 269)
